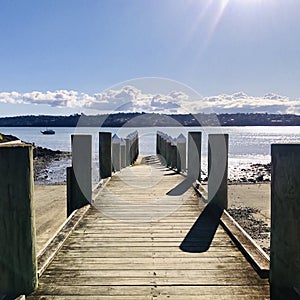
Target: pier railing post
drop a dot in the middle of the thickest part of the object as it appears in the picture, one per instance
(218, 169)
(18, 269)
(136, 146)
(116, 153)
(133, 148)
(173, 155)
(164, 153)
(194, 155)
(162, 147)
(123, 153)
(131, 151)
(285, 222)
(181, 153)
(128, 146)
(168, 151)
(158, 149)
(79, 176)
(105, 163)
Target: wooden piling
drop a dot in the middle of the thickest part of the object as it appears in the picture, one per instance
(194, 155)
(218, 169)
(181, 153)
(79, 176)
(105, 163)
(162, 149)
(173, 155)
(132, 150)
(168, 151)
(116, 153)
(128, 146)
(123, 153)
(18, 269)
(285, 222)
(158, 151)
(137, 141)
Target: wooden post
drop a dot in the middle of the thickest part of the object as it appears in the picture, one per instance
(181, 153)
(132, 150)
(105, 165)
(194, 155)
(116, 153)
(128, 145)
(135, 147)
(218, 169)
(285, 222)
(137, 141)
(158, 152)
(168, 151)
(18, 269)
(79, 176)
(173, 155)
(123, 153)
(165, 150)
(162, 149)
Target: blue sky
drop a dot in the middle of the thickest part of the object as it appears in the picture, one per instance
(61, 57)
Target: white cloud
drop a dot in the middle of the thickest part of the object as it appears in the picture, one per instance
(241, 102)
(131, 99)
(60, 98)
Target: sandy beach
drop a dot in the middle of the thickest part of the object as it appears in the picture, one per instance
(248, 203)
(250, 206)
(50, 211)
(251, 195)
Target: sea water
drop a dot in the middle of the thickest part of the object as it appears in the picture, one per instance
(247, 145)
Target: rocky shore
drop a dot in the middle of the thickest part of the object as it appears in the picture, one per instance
(255, 227)
(42, 159)
(254, 173)
(246, 173)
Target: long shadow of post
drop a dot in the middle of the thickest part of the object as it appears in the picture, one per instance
(181, 188)
(201, 234)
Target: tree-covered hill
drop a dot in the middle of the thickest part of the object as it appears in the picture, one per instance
(148, 120)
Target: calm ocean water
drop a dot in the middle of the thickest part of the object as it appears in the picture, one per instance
(246, 144)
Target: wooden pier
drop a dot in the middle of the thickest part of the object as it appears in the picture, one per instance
(147, 236)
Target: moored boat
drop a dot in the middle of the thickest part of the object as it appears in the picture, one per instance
(48, 131)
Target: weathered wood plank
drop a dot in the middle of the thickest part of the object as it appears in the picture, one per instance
(116, 254)
(61, 273)
(85, 290)
(95, 281)
(196, 262)
(84, 253)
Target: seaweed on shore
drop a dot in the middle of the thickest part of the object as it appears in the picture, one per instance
(257, 229)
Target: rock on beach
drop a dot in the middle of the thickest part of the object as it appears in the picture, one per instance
(42, 157)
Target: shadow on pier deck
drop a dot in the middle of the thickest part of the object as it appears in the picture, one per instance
(140, 240)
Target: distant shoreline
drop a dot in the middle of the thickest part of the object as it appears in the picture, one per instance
(152, 120)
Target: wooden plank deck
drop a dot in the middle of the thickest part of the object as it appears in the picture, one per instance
(148, 238)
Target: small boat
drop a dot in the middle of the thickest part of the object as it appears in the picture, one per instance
(48, 131)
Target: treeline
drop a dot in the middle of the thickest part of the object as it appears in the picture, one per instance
(148, 120)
